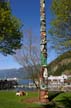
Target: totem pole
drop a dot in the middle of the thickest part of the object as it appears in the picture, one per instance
(43, 94)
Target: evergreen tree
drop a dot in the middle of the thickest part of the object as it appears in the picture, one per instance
(10, 30)
(61, 25)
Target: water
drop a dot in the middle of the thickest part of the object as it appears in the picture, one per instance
(6, 74)
(25, 82)
(25, 89)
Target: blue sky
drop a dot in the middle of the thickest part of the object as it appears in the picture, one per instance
(29, 13)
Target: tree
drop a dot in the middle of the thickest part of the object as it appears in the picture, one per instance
(29, 56)
(10, 30)
(61, 25)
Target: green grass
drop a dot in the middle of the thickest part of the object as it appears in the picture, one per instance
(8, 99)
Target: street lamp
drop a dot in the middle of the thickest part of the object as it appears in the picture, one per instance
(43, 93)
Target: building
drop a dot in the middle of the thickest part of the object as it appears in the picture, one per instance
(59, 82)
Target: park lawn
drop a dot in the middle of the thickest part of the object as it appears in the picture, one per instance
(8, 99)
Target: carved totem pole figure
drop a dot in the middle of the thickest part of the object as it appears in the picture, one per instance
(43, 46)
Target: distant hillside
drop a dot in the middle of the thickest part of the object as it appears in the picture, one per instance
(61, 65)
(20, 73)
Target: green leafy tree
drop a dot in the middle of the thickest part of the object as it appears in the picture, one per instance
(61, 25)
(10, 30)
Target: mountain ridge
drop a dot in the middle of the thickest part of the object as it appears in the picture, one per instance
(61, 65)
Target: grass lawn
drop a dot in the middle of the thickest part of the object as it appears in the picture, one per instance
(8, 99)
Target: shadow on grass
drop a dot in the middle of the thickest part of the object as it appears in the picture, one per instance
(51, 97)
(49, 105)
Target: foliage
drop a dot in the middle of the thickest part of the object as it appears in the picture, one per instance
(10, 30)
(61, 25)
(63, 100)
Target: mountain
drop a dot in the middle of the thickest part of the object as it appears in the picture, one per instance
(11, 73)
(61, 65)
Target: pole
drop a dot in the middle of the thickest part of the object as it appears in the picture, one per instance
(43, 93)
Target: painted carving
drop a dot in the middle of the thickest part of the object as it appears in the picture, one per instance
(43, 40)
(43, 33)
(45, 73)
(43, 48)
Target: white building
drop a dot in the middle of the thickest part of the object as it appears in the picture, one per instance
(56, 82)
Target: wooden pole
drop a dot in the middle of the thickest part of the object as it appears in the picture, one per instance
(43, 93)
